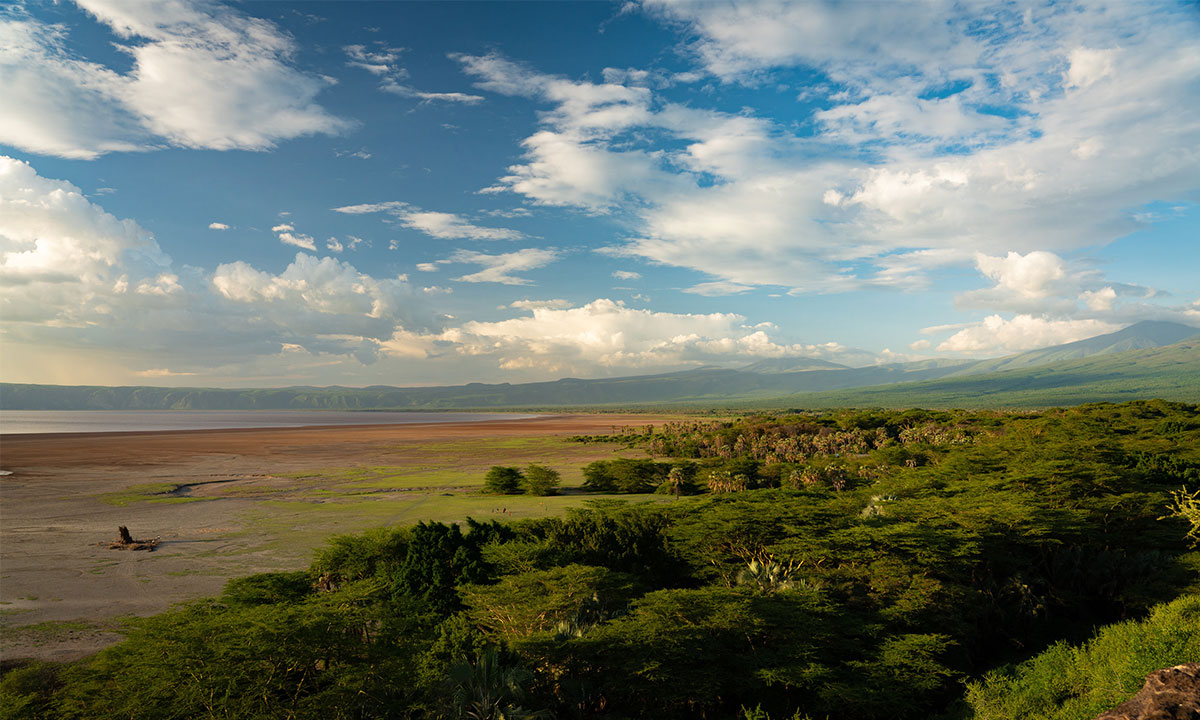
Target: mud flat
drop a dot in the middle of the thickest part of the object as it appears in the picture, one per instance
(227, 503)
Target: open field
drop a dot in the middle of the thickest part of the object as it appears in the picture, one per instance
(234, 502)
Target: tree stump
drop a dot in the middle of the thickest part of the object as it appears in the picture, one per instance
(125, 541)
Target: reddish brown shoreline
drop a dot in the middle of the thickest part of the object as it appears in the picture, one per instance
(20, 451)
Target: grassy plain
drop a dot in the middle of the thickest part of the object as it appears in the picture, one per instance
(232, 503)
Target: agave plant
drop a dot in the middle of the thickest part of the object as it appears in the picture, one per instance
(766, 576)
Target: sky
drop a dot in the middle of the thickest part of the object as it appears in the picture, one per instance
(254, 194)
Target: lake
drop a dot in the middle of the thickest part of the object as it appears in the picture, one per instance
(22, 422)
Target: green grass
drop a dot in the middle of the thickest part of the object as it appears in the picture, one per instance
(146, 492)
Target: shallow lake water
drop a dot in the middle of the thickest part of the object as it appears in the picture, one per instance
(20, 422)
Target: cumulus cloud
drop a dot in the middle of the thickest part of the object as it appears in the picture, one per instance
(73, 275)
(64, 262)
(202, 76)
(997, 335)
(606, 335)
(499, 268)
(441, 225)
(1032, 275)
(217, 226)
(1045, 285)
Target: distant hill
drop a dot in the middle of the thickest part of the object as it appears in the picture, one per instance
(1104, 367)
(1171, 372)
(785, 365)
(1139, 336)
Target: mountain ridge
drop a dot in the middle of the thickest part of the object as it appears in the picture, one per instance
(778, 379)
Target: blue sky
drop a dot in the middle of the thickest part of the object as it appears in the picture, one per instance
(275, 193)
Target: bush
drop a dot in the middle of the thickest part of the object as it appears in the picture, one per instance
(1080, 682)
(541, 480)
(502, 480)
(624, 475)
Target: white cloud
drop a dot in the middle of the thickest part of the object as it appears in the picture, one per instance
(604, 336)
(288, 236)
(201, 77)
(997, 335)
(626, 275)
(1088, 66)
(555, 304)
(217, 226)
(74, 276)
(1043, 284)
(740, 39)
(441, 225)
(323, 285)
(1099, 300)
(162, 373)
(337, 246)
(718, 288)
(934, 142)
(427, 267)
(64, 262)
(1032, 275)
(384, 64)
(499, 268)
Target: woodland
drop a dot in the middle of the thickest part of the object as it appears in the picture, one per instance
(849, 564)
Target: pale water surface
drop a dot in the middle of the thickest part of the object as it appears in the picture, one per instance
(81, 421)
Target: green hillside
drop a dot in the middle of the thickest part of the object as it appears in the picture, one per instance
(1171, 373)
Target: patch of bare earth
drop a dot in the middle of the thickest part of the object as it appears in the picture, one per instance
(210, 498)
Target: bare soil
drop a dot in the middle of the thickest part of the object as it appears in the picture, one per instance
(227, 503)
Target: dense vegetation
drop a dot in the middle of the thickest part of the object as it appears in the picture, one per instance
(852, 565)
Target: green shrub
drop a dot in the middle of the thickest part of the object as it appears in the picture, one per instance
(1079, 682)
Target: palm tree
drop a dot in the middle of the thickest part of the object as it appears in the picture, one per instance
(487, 689)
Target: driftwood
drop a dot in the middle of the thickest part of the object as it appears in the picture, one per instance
(125, 541)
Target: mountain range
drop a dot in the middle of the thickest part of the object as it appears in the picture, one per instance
(1147, 359)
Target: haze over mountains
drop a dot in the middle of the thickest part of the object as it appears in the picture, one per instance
(1148, 359)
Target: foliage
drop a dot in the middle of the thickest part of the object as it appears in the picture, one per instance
(1186, 505)
(487, 689)
(503, 480)
(541, 480)
(625, 475)
(1067, 682)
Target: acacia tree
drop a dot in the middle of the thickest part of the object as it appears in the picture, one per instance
(502, 480)
(541, 480)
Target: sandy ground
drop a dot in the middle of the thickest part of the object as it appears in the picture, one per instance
(63, 593)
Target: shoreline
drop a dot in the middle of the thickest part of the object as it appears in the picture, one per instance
(5, 436)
